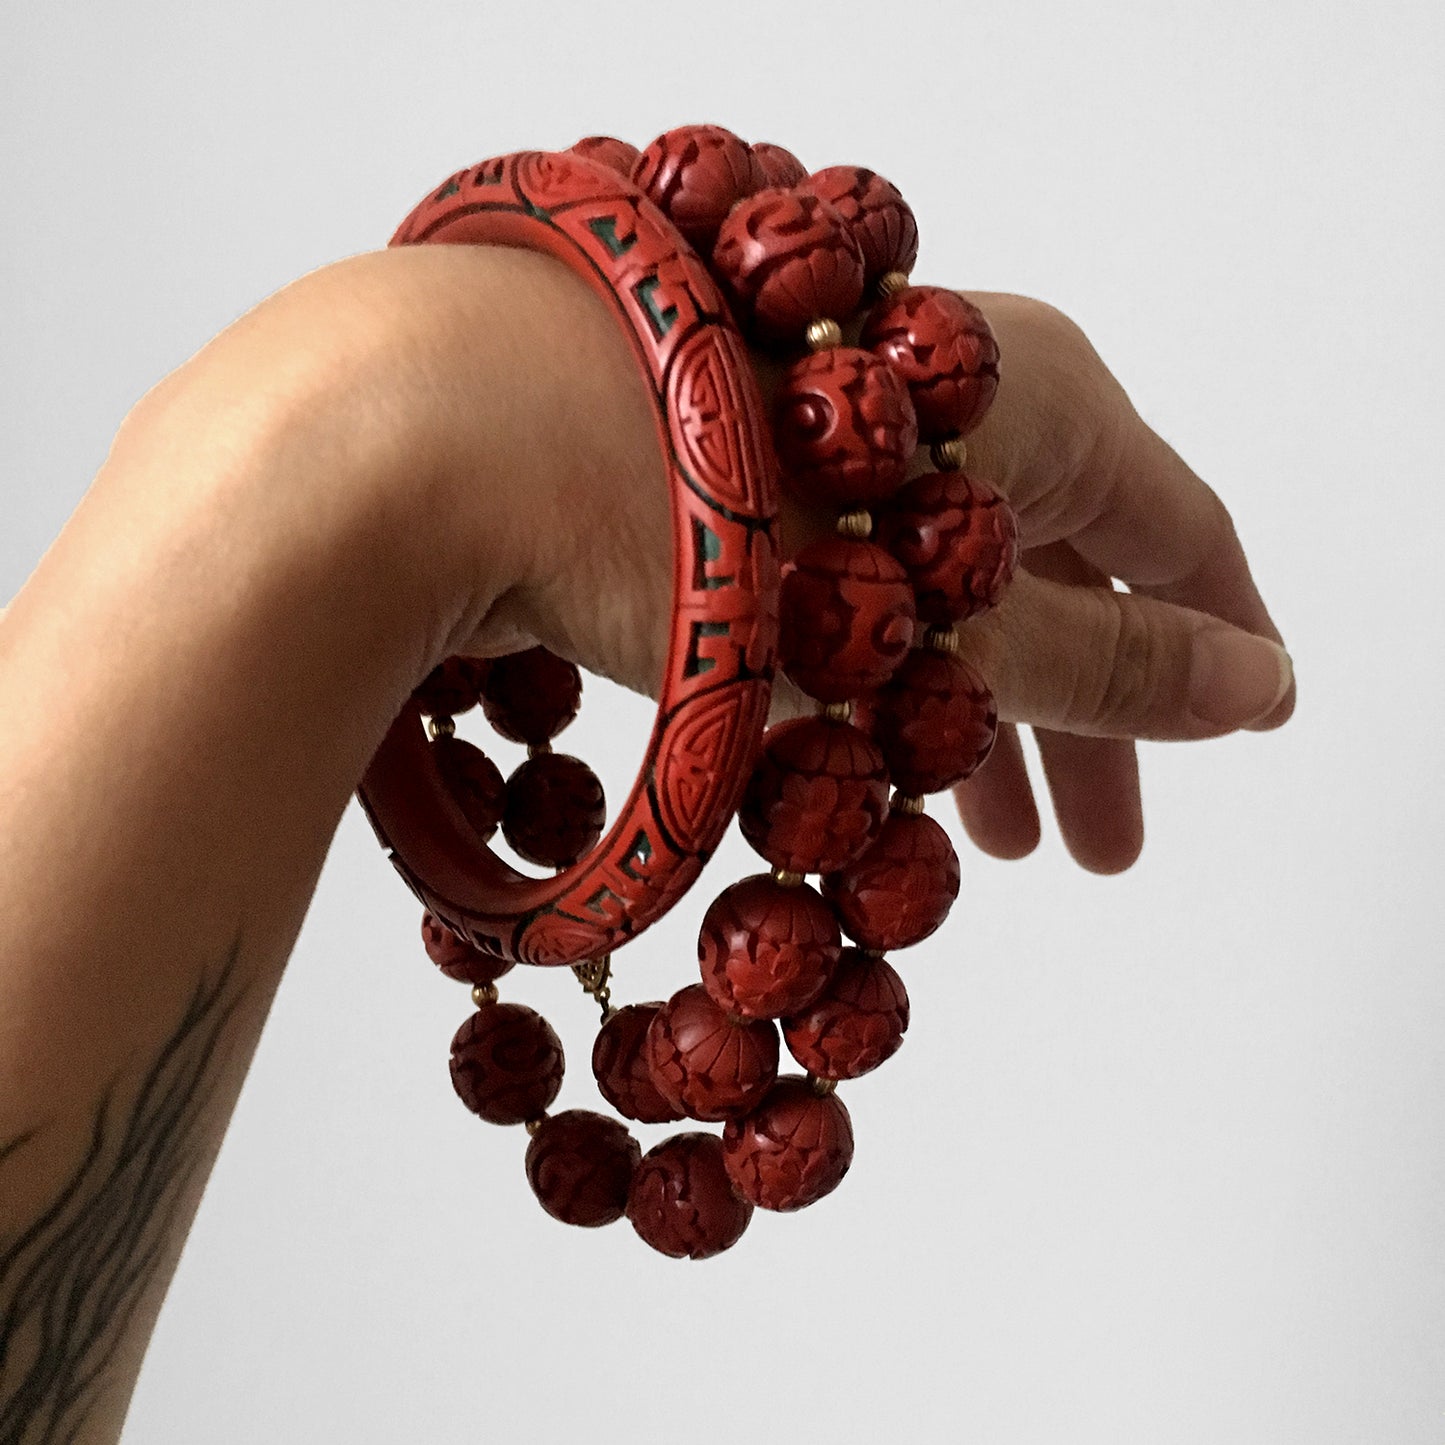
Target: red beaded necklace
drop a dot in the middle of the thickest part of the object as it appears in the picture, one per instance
(696, 242)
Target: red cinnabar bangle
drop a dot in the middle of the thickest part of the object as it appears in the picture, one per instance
(867, 629)
(717, 682)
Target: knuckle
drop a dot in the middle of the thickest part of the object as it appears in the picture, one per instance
(1130, 677)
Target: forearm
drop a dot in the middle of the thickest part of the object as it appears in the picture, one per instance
(191, 684)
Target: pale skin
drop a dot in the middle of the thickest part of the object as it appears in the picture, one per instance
(410, 454)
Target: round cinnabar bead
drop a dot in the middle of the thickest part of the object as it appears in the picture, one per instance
(794, 1148)
(817, 796)
(456, 957)
(935, 722)
(695, 175)
(580, 1166)
(608, 151)
(474, 780)
(765, 949)
(619, 1063)
(709, 1065)
(682, 1202)
(881, 220)
(555, 810)
(957, 539)
(844, 426)
(857, 1023)
(780, 167)
(529, 697)
(452, 687)
(901, 889)
(944, 349)
(785, 258)
(847, 614)
(506, 1063)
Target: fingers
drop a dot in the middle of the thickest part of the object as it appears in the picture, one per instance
(1063, 442)
(1115, 664)
(1093, 782)
(1094, 787)
(1166, 533)
(997, 803)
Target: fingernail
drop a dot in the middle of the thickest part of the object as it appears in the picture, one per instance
(1235, 677)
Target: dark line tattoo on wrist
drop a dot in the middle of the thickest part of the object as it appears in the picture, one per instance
(72, 1278)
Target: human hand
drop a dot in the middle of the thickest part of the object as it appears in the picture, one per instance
(578, 522)
(1188, 652)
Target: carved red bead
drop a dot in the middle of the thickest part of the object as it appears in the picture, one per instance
(608, 151)
(845, 428)
(935, 722)
(794, 1148)
(619, 1063)
(706, 1063)
(456, 957)
(857, 1023)
(529, 697)
(682, 1201)
(780, 167)
(506, 1063)
(452, 687)
(765, 949)
(695, 175)
(786, 257)
(957, 539)
(474, 780)
(901, 889)
(817, 796)
(847, 615)
(945, 351)
(580, 1166)
(880, 219)
(555, 810)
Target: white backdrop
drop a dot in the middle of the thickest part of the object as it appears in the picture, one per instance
(1161, 1159)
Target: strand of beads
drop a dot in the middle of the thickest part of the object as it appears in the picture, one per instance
(868, 631)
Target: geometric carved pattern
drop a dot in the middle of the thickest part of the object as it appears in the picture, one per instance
(723, 478)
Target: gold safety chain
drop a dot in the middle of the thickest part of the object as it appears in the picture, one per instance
(595, 976)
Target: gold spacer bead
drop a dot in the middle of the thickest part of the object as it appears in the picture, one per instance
(821, 1087)
(941, 639)
(787, 879)
(891, 282)
(532, 1125)
(837, 711)
(949, 456)
(871, 952)
(904, 803)
(442, 727)
(857, 524)
(484, 994)
(535, 750)
(823, 333)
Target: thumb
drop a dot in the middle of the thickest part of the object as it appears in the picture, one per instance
(1094, 661)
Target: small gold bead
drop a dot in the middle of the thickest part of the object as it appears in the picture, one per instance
(949, 456)
(837, 711)
(787, 879)
(442, 727)
(535, 750)
(871, 952)
(821, 1087)
(484, 994)
(892, 282)
(903, 803)
(941, 639)
(857, 524)
(532, 1125)
(823, 333)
